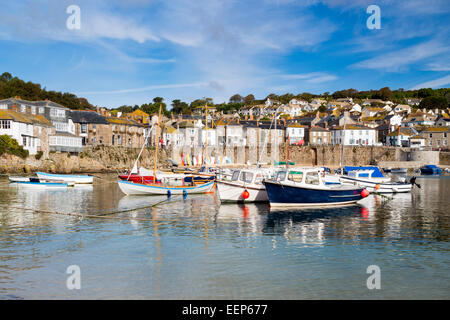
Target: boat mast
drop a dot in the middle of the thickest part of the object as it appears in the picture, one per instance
(342, 147)
(157, 143)
(206, 134)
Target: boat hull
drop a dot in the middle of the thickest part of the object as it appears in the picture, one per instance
(41, 185)
(65, 177)
(282, 195)
(131, 188)
(232, 192)
(391, 187)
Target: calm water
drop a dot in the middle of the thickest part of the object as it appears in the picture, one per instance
(194, 248)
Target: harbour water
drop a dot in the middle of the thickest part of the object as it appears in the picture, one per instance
(195, 248)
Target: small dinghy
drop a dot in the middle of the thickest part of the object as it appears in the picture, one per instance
(19, 179)
(37, 183)
(65, 177)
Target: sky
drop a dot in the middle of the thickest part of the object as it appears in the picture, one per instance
(128, 52)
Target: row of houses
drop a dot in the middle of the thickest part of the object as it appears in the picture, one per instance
(45, 126)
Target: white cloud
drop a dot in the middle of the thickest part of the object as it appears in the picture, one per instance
(437, 83)
(147, 88)
(396, 60)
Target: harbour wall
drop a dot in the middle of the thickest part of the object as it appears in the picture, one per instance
(112, 159)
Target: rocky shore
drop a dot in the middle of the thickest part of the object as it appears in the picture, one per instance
(91, 160)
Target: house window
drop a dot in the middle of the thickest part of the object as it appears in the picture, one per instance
(83, 128)
(24, 141)
(33, 110)
(438, 143)
(23, 108)
(41, 109)
(100, 140)
(5, 124)
(431, 135)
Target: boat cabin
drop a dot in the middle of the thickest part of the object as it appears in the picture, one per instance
(311, 176)
(250, 176)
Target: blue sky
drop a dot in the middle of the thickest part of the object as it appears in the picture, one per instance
(128, 52)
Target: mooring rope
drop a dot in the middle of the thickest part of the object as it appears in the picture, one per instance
(106, 215)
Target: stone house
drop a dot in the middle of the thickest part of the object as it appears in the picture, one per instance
(436, 137)
(317, 136)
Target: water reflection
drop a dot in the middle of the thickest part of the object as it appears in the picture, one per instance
(159, 247)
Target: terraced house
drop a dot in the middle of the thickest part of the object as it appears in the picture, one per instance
(30, 131)
(436, 137)
(63, 138)
(125, 133)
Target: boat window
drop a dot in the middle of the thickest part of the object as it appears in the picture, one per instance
(246, 177)
(281, 176)
(259, 178)
(235, 176)
(295, 176)
(312, 178)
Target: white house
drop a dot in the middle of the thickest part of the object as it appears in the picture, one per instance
(354, 135)
(25, 129)
(295, 133)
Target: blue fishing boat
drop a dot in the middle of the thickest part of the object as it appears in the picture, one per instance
(430, 169)
(305, 187)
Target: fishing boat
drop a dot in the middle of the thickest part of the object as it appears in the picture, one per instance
(430, 169)
(305, 187)
(245, 186)
(65, 177)
(374, 181)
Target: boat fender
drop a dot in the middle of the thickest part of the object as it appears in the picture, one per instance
(364, 193)
(168, 193)
(245, 194)
(377, 186)
(184, 194)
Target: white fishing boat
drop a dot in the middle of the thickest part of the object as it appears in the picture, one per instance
(132, 188)
(65, 177)
(380, 184)
(245, 186)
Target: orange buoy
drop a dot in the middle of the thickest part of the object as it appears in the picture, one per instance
(245, 194)
(377, 186)
(364, 193)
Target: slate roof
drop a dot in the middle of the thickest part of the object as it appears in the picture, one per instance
(88, 117)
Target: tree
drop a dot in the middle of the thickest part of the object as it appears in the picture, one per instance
(236, 98)
(249, 99)
(179, 106)
(6, 76)
(425, 92)
(434, 102)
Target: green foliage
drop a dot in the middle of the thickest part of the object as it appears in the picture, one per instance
(38, 155)
(10, 145)
(433, 102)
(12, 87)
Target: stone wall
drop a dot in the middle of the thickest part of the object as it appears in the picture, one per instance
(95, 159)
